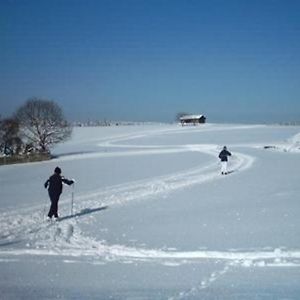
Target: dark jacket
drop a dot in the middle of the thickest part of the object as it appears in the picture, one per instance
(223, 155)
(54, 184)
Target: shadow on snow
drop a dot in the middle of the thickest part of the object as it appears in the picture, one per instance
(83, 212)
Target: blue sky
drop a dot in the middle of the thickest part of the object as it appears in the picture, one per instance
(234, 61)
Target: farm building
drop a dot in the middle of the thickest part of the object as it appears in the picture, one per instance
(192, 119)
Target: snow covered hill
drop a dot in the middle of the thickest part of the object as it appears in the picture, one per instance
(153, 218)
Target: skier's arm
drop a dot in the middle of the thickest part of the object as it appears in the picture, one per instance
(46, 184)
(67, 181)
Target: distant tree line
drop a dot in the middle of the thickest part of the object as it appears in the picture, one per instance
(33, 129)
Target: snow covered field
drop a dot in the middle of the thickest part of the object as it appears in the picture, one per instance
(154, 219)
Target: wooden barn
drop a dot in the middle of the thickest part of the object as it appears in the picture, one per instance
(192, 120)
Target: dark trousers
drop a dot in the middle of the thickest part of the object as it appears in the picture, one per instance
(54, 206)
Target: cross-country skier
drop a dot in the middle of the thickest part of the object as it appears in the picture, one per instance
(55, 186)
(224, 158)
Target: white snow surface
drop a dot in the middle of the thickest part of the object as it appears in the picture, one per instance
(153, 218)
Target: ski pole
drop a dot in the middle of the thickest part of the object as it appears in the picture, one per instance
(72, 198)
(44, 209)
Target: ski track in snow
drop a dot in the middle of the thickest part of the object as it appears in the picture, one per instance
(24, 232)
(203, 284)
(28, 223)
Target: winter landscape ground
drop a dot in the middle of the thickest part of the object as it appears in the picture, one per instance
(153, 218)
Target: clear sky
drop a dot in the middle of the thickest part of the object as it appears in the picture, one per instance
(234, 61)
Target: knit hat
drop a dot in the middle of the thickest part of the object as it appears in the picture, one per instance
(57, 170)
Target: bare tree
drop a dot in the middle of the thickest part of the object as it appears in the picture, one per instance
(43, 123)
(10, 141)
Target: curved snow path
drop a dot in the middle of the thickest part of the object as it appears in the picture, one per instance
(84, 247)
(121, 194)
(21, 223)
(28, 225)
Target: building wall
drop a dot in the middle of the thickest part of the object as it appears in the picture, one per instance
(194, 121)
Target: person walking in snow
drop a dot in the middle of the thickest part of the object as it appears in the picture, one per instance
(224, 158)
(55, 186)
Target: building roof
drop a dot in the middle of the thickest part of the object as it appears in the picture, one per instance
(191, 117)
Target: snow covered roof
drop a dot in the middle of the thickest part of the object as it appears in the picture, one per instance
(189, 117)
